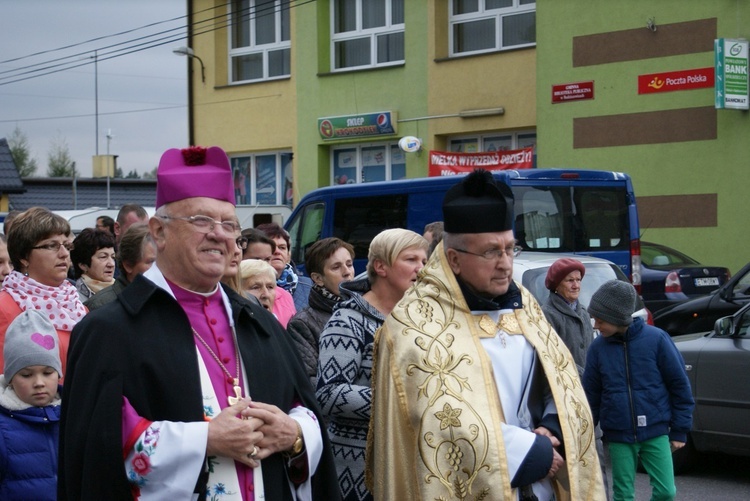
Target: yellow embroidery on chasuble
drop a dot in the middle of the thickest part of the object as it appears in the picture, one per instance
(447, 386)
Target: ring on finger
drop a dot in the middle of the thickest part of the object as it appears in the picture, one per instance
(254, 453)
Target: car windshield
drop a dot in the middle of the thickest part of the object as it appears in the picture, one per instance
(596, 275)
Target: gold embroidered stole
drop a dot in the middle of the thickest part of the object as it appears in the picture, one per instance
(434, 383)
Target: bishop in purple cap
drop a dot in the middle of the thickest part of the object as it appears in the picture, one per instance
(182, 388)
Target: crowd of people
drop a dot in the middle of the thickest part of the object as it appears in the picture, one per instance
(179, 356)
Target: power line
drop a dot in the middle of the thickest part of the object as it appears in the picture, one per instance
(135, 45)
(89, 115)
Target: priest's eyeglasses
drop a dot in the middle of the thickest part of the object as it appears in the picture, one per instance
(494, 254)
(205, 224)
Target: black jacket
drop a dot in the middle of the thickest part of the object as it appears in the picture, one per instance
(141, 346)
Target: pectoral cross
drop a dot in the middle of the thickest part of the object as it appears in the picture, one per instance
(237, 393)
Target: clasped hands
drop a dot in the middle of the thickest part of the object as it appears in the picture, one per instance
(263, 430)
(557, 459)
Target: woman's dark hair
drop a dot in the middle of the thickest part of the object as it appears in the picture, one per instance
(317, 253)
(85, 246)
(29, 228)
(255, 236)
(131, 246)
(273, 230)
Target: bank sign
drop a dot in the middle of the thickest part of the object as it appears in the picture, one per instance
(731, 63)
(352, 126)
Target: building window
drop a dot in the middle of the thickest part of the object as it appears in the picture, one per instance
(260, 42)
(367, 33)
(488, 25)
(367, 163)
(263, 179)
(499, 141)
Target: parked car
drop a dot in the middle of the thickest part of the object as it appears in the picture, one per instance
(669, 277)
(717, 365)
(700, 314)
(530, 270)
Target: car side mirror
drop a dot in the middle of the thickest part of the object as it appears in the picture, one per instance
(723, 327)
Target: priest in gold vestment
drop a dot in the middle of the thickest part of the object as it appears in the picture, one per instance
(475, 397)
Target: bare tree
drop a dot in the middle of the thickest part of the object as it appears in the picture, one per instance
(21, 153)
(59, 161)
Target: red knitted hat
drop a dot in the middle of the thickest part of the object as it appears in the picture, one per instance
(560, 269)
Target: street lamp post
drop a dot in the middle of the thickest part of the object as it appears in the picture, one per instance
(189, 52)
(109, 163)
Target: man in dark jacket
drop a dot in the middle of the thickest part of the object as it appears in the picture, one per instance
(159, 384)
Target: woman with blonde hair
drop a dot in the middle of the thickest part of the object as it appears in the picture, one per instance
(345, 361)
(258, 278)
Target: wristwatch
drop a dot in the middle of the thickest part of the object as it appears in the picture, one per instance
(298, 444)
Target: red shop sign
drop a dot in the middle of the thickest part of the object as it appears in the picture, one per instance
(572, 92)
(699, 78)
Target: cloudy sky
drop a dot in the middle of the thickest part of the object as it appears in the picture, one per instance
(142, 96)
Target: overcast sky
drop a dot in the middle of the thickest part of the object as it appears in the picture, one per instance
(142, 96)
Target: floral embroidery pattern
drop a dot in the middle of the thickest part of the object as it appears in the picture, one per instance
(140, 465)
(218, 491)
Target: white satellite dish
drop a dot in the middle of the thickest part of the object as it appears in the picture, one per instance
(410, 144)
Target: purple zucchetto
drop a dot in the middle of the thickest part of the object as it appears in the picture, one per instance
(194, 172)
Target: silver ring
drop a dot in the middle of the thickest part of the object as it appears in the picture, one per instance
(254, 453)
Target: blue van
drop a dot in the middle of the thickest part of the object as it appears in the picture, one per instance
(577, 211)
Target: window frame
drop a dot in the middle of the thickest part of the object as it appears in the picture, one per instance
(483, 14)
(365, 33)
(516, 138)
(390, 147)
(249, 161)
(264, 48)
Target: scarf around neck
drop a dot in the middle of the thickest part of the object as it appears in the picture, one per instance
(326, 293)
(95, 285)
(61, 304)
(288, 279)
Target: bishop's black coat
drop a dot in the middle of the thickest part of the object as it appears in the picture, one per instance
(141, 346)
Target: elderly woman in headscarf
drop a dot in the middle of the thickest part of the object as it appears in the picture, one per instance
(328, 262)
(39, 244)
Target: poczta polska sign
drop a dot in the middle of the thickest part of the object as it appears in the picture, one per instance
(731, 61)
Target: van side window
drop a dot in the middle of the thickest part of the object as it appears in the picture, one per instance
(306, 230)
(358, 220)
